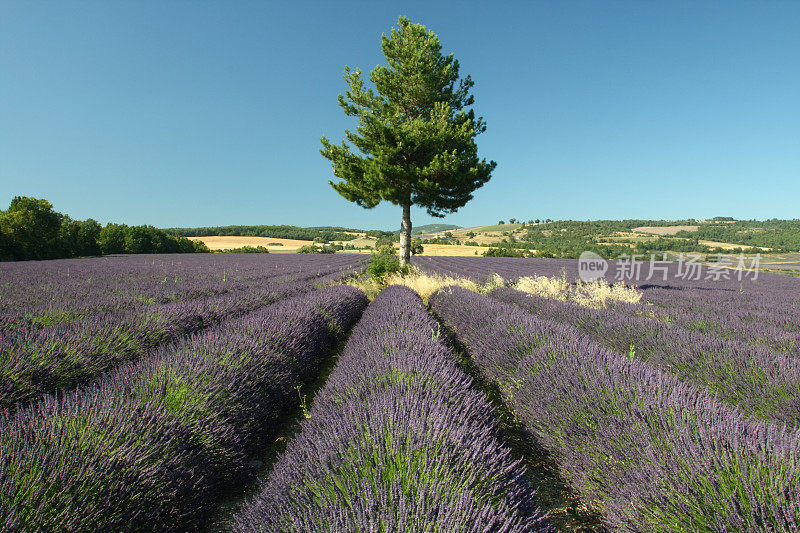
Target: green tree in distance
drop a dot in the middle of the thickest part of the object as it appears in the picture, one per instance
(30, 229)
(415, 140)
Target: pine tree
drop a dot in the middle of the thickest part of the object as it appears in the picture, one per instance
(416, 132)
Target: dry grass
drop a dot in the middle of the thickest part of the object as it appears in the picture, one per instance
(664, 230)
(421, 282)
(452, 249)
(426, 284)
(597, 294)
(361, 242)
(729, 246)
(285, 245)
(227, 242)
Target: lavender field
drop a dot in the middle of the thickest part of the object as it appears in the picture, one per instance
(265, 393)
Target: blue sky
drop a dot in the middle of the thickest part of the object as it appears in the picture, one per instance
(188, 113)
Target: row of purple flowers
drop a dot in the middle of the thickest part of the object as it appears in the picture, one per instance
(35, 360)
(151, 445)
(398, 439)
(652, 451)
(42, 293)
(756, 379)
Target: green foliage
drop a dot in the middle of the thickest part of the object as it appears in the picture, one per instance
(570, 238)
(112, 239)
(30, 229)
(439, 240)
(246, 250)
(199, 247)
(79, 238)
(504, 252)
(780, 235)
(383, 262)
(415, 140)
(387, 240)
(416, 247)
(414, 131)
(149, 240)
(316, 249)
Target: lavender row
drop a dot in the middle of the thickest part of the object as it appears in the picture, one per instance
(762, 321)
(36, 361)
(765, 310)
(399, 439)
(755, 379)
(655, 453)
(761, 311)
(40, 294)
(151, 445)
(481, 268)
(767, 314)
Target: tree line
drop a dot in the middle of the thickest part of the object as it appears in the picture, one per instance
(276, 232)
(780, 235)
(31, 229)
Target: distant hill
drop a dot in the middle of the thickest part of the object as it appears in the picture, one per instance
(497, 227)
(564, 238)
(431, 228)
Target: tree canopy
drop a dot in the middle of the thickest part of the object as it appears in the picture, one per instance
(415, 139)
(31, 229)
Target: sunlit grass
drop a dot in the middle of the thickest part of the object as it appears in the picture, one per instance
(597, 294)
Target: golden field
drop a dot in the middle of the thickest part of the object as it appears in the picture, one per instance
(227, 242)
(664, 230)
(452, 249)
(729, 246)
(291, 245)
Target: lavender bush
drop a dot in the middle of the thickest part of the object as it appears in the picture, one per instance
(654, 453)
(756, 379)
(151, 445)
(762, 310)
(100, 332)
(765, 314)
(40, 294)
(399, 439)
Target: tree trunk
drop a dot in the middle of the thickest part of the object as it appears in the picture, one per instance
(405, 236)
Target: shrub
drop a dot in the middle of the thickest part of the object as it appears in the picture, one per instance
(314, 249)
(385, 262)
(503, 252)
(246, 250)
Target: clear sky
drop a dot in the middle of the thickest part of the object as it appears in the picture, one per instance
(189, 113)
